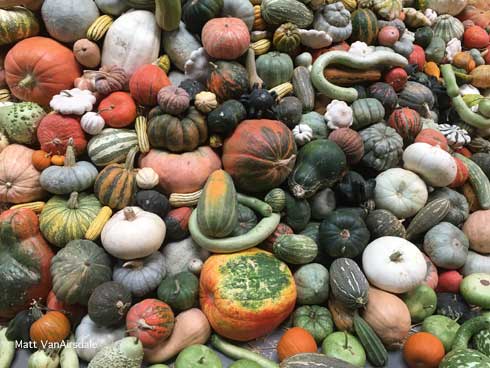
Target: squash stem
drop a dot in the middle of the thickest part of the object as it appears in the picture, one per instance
(396, 257)
(129, 214)
(346, 343)
(177, 287)
(27, 82)
(134, 264)
(70, 154)
(73, 201)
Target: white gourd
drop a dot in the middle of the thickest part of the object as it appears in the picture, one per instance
(302, 134)
(147, 178)
(92, 123)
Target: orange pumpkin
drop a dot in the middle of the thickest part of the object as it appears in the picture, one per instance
(296, 340)
(146, 82)
(432, 137)
(225, 38)
(41, 160)
(55, 130)
(423, 350)
(243, 310)
(118, 109)
(461, 175)
(53, 326)
(38, 68)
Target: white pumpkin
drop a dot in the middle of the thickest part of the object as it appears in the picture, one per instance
(90, 338)
(68, 20)
(338, 115)
(74, 101)
(436, 166)
(315, 39)
(401, 192)
(112, 7)
(133, 233)
(394, 264)
(302, 134)
(147, 178)
(92, 123)
(132, 41)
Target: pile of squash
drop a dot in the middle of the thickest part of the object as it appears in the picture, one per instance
(179, 178)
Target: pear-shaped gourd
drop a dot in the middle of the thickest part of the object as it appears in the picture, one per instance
(124, 353)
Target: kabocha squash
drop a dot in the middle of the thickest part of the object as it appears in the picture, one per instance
(366, 111)
(446, 245)
(28, 258)
(364, 26)
(383, 147)
(227, 80)
(115, 185)
(109, 303)
(225, 117)
(65, 219)
(179, 291)
(275, 68)
(78, 269)
(111, 146)
(315, 319)
(297, 212)
(240, 310)
(197, 13)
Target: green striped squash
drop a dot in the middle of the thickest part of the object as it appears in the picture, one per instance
(372, 344)
(217, 209)
(16, 24)
(64, 219)
(295, 249)
(364, 26)
(111, 146)
(366, 111)
(348, 284)
(277, 12)
(465, 358)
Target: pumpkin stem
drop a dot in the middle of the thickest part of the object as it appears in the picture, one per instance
(143, 325)
(36, 310)
(213, 65)
(66, 93)
(177, 287)
(346, 343)
(110, 108)
(73, 201)
(28, 82)
(298, 191)
(396, 257)
(129, 165)
(483, 53)
(345, 234)
(70, 154)
(134, 264)
(129, 214)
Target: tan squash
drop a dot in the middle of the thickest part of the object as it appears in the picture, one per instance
(191, 327)
(389, 317)
(478, 232)
(343, 318)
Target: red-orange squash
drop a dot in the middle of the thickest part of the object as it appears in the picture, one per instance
(182, 173)
(247, 294)
(74, 312)
(146, 82)
(118, 109)
(19, 180)
(433, 137)
(475, 37)
(225, 38)
(259, 155)
(417, 57)
(406, 122)
(52, 327)
(55, 130)
(431, 277)
(26, 259)
(227, 80)
(38, 68)
(461, 175)
(296, 340)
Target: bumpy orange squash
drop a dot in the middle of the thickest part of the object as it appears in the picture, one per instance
(247, 294)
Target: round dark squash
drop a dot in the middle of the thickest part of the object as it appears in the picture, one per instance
(289, 111)
(354, 190)
(247, 219)
(385, 94)
(259, 155)
(453, 305)
(192, 87)
(297, 213)
(109, 303)
(180, 291)
(153, 201)
(227, 80)
(176, 222)
(19, 326)
(196, 13)
(225, 118)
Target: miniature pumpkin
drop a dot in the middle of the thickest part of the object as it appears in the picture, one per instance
(302, 134)
(54, 132)
(225, 38)
(118, 109)
(74, 101)
(423, 349)
(205, 101)
(147, 178)
(41, 160)
(146, 82)
(173, 100)
(383, 147)
(388, 35)
(52, 327)
(296, 340)
(475, 37)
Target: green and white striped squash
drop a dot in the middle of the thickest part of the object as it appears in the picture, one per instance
(365, 112)
(348, 284)
(276, 12)
(111, 146)
(295, 249)
(364, 26)
(482, 342)
(448, 27)
(465, 358)
(16, 24)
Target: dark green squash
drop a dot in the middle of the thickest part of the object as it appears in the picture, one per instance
(224, 119)
(195, 13)
(375, 351)
(482, 160)
(418, 97)
(312, 171)
(385, 94)
(19, 326)
(455, 307)
(192, 87)
(152, 201)
(295, 249)
(176, 222)
(247, 219)
(423, 36)
(274, 68)
(297, 213)
(364, 26)
(348, 284)
(354, 190)
(303, 88)
(343, 235)
(353, 211)
(180, 291)
(312, 230)
(315, 319)
(227, 80)
(289, 111)
(109, 304)
(383, 223)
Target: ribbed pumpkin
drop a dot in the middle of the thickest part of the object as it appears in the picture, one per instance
(275, 68)
(54, 132)
(364, 26)
(217, 209)
(259, 155)
(350, 142)
(16, 24)
(62, 219)
(406, 122)
(385, 94)
(145, 83)
(177, 134)
(115, 185)
(286, 38)
(448, 27)
(31, 73)
(227, 80)
(225, 38)
(243, 310)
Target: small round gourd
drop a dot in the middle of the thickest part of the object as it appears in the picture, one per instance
(109, 303)
(153, 201)
(180, 291)
(87, 53)
(315, 319)
(173, 100)
(147, 178)
(302, 134)
(350, 142)
(312, 284)
(205, 101)
(276, 198)
(92, 123)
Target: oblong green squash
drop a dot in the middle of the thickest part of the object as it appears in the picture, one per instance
(364, 26)
(295, 249)
(111, 146)
(217, 209)
(277, 12)
(348, 284)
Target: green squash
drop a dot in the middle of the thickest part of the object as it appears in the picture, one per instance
(62, 219)
(19, 326)
(317, 124)
(475, 289)
(274, 68)
(195, 13)
(442, 327)
(383, 147)
(312, 171)
(297, 212)
(348, 284)
(423, 36)
(289, 111)
(346, 347)
(364, 26)
(454, 306)
(19, 121)
(383, 223)
(197, 356)
(180, 291)
(295, 249)
(459, 209)
(109, 304)
(365, 112)
(124, 353)
(244, 363)
(481, 341)
(436, 49)
(247, 219)
(224, 119)
(465, 358)
(17, 23)
(315, 319)
(417, 97)
(312, 284)
(421, 302)
(314, 359)
(311, 231)
(276, 198)
(448, 27)
(343, 235)
(446, 245)
(227, 80)
(78, 269)
(276, 12)
(111, 146)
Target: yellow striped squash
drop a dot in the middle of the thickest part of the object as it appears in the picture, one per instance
(260, 47)
(95, 228)
(184, 199)
(37, 207)
(99, 27)
(282, 90)
(141, 127)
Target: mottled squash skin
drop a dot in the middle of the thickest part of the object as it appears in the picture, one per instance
(247, 294)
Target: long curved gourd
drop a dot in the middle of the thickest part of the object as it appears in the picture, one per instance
(463, 110)
(257, 235)
(372, 60)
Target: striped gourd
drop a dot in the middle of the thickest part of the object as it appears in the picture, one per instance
(16, 24)
(261, 47)
(37, 207)
(348, 284)
(282, 90)
(111, 146)
(295, 249)
(62, 219)
(259, 22)
(99, 27)
(141, 127)
(277, 12)
(364, 26)
(479, 181)
(276, 198)
(217, 208)
(4, 95)
(365, 112)
(406, 122)
(95, 228)
(428, 217)
(115, 185)
(375, 350)
(184, 199)
(303, 88)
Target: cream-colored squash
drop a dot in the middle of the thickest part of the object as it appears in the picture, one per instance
(179, 45)
(452, 7)
(132, 40)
